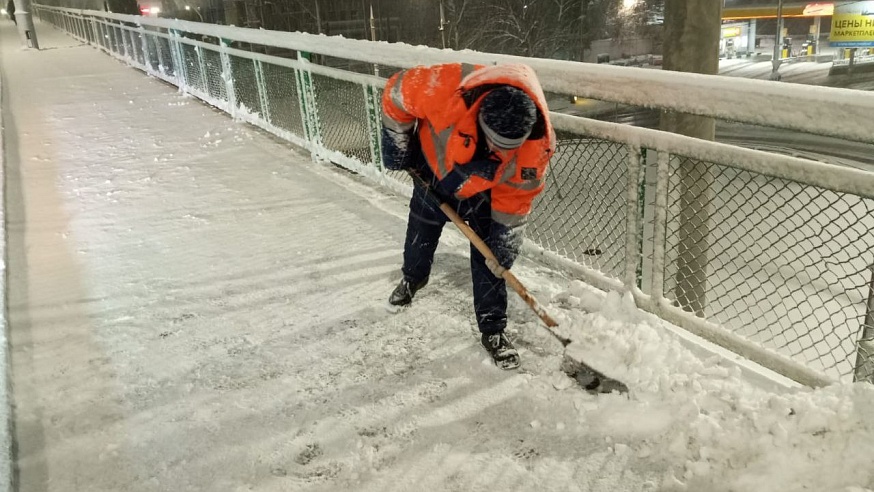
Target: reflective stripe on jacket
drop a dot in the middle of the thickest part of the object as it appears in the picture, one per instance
(442, 103)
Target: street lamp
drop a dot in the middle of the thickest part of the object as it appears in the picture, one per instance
(196, 10)
(443, 23)
(778, 37)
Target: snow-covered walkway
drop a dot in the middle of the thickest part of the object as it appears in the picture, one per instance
(196, 306)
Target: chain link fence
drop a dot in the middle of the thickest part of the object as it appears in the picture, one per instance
(582, 211)
(780, 263)
(776, 268)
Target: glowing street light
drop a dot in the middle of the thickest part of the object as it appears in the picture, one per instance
(629, 4)
(196, 10)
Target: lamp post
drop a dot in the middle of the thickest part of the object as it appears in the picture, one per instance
(778, 41)
(196, 11)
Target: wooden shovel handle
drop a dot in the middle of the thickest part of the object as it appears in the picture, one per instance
(484, 250)
(508, 276)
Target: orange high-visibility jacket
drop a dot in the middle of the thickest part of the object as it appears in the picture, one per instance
(443, 101)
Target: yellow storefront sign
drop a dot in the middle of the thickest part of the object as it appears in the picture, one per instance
(853, 25)
(730, 32)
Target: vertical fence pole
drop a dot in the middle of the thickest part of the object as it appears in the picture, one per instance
(302, 104)
(864, 370)
(374, 125)
(228, 76)
(203, 73)
(641, 215)
(633, 217)
(309, 110)
(262, 90)
(147, 55)
(109, 38)
(134, 45)
(117, 43)
(100, 34)
(660, 221)
(162, 67)
(180, 69)
(95, 32)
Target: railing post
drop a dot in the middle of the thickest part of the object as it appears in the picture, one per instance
(126, 42)
(374, 125)
(203, 73)
(864, 370)
(262, 90)
(113, 38)
(633, 218)
(228, 76)
(162, 68)
(147, 56)
(641, 217)
(660, 223)
(97, 25)
(180, 70)
(308, 108)
(88, 25)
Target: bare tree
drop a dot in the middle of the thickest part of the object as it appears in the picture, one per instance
(544, 28)
(462, 33)
(595, 21)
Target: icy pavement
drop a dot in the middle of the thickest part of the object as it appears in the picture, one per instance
(196, 306)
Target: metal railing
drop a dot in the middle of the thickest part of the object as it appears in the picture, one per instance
(767, 255)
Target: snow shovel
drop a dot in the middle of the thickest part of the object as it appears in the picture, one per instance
(587, 376)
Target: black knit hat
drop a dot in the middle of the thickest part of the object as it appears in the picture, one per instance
(507, 116)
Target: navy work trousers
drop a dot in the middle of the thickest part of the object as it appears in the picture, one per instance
(424, 227)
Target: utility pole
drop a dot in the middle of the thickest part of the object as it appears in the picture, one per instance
(24, 19)
(778, 41)
(691, 44)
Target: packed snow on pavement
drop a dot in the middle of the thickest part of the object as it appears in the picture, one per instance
(197, 306)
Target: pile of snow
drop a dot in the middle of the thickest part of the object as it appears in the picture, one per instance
(701, 422)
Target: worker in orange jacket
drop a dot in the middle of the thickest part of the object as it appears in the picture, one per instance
(480, 136)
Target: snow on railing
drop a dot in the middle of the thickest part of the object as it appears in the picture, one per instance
(764, 254)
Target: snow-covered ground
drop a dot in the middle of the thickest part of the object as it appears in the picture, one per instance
(797, 72)
(195, 305)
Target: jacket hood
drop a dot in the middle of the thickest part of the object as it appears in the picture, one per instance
(518, 75)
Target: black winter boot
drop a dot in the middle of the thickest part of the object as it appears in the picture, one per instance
(403, 294)
(502, 350)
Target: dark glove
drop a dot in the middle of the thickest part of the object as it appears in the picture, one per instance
(399, 149)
